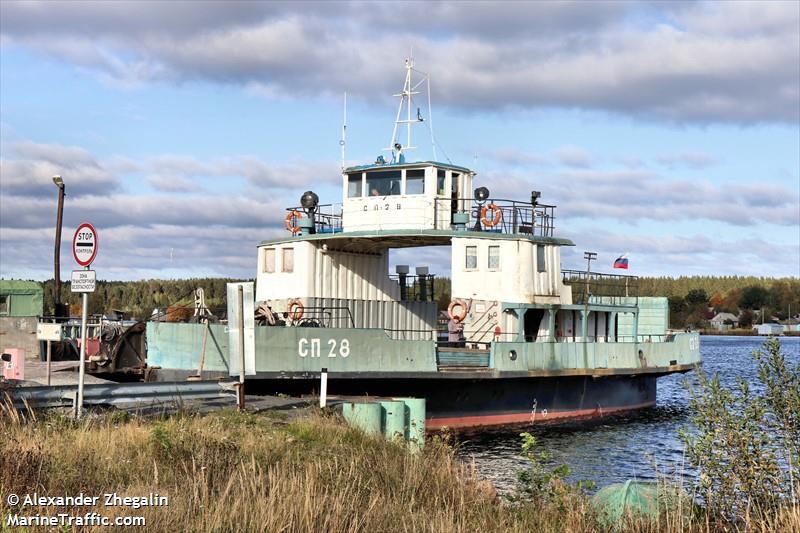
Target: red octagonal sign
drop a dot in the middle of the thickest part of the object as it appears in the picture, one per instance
(84, 244)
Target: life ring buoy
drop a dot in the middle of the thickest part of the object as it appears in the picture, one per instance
(461, 315)
(291, 220)
(296, 310)
(497, 215)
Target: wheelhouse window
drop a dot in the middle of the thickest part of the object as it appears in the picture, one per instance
(440, 176)
(287, 262)
(354, 189)
(383, 183)
(540, 263)
(471, 258)
(415, 181)
(493, 262)
(269, 261)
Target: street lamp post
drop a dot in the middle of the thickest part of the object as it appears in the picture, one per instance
(57, 307)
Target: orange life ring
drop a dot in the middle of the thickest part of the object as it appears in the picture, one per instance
(497, 215)
(295, 310)
(462, 314)
(291, 220)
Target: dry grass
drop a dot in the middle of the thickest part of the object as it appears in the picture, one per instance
(233, 472)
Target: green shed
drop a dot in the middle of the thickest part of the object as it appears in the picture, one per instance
(21, 298)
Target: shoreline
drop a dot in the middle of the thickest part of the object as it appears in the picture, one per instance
(745, 333)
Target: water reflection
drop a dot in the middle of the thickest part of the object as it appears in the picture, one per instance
(626, 446)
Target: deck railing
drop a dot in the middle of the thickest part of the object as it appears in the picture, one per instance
(511, 216)
(327, 218)
(416, 287)
(501, 216)
(614, 289)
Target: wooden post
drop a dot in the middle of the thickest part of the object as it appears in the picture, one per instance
(323, 388)
(49, 352)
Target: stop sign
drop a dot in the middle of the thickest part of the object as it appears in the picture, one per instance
(84, 244)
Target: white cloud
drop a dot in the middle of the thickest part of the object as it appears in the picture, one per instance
(725, 61)
(32, 166)
(515, 157)
(639, 194)
(206, 229)
(686, 159)
(574, 156)
(139, 252)
(696, 254)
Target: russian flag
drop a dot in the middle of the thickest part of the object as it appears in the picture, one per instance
(621, 262)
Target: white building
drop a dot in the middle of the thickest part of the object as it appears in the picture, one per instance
(770, 329)
(720, 319)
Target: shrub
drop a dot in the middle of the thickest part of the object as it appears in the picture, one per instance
(746, 439)
(543, 484)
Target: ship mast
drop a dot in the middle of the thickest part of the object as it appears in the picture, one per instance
(407, 100)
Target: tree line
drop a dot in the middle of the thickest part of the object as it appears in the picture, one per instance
(692, 299)
(138, 299)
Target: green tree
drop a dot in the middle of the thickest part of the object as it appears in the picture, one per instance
(697, 297)
(754, 297)
(677, 312)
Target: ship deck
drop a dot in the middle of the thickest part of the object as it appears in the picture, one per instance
(379, 240)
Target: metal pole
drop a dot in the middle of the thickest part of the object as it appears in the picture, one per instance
(82, 373)
(403, 289)
(57, 250)
(588, 256)
(49, 349)
(241, 348)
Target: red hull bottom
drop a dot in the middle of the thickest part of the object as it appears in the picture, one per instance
(528, 418)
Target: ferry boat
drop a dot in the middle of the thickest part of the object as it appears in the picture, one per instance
(527, 342)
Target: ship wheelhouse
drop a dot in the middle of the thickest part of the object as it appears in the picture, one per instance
(419, 195)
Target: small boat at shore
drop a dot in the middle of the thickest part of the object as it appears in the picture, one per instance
(527, 342)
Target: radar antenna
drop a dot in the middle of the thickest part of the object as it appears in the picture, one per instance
(407, 100)
(343, 140)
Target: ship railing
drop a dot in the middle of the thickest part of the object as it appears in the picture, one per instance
(406, 334)
(601, 339)
(415, 288)
(327, 217)
(599, 288)
(515, 337)
(511, 216)
(325, 317)
(71, 326)
(442, 340)
(473, 345)
(479, 339)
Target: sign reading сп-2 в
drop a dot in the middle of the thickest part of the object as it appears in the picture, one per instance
(84, 244)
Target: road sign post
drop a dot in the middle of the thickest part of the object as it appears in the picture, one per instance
(84, 250)
(48, 333)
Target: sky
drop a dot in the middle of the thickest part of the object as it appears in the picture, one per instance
(669, 131)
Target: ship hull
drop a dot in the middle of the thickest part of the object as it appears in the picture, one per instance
(481, 403)
(512, 383)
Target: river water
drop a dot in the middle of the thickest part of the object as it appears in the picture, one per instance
(630, 446)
